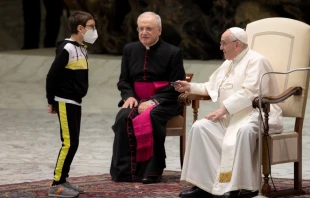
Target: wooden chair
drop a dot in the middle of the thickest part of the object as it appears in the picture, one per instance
(176, 126)
(286, 44)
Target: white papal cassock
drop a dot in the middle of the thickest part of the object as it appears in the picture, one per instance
(222, 156)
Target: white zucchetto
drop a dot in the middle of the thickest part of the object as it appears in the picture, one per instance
(240, 34)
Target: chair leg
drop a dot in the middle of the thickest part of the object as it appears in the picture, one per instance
(182, 149)
(298, 177)
(266, 188)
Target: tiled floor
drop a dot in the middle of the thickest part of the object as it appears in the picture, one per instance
(29, 136)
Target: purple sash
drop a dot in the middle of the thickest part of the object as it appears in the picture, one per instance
(142, 123)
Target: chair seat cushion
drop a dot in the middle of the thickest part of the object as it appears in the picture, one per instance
(284, 147)
(284, 135)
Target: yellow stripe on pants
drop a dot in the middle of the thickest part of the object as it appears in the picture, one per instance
(66, 143)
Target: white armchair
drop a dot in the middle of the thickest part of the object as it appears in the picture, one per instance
(286, 44)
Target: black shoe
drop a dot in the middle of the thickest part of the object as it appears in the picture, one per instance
(151, 179)
(234, 194)
(195, 192)
(242, 194)
(186, 191)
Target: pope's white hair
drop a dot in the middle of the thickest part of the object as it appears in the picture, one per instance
(233, 38)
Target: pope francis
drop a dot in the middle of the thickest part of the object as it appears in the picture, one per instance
(221, 153)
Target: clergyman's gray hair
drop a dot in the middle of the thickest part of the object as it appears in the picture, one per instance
(157, 17)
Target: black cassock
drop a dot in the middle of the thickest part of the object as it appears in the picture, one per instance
(162, 62)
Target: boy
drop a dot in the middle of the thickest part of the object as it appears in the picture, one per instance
(66, 85)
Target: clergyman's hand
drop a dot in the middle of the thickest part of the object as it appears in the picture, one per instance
(144, 106)
(217, 114)
(181, 86)
(130, 102)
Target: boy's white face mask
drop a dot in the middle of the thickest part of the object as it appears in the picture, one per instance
(90, 36)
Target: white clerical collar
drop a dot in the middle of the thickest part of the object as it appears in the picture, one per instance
(148, 47)
(241, 55)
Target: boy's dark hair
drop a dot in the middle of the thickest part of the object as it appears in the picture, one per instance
(78, 18)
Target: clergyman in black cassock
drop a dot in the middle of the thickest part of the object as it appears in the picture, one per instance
(150, 62)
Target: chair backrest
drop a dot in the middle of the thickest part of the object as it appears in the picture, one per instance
(286, 44)
(177, 124)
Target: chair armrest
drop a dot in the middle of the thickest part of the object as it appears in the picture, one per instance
(187, 98)
(267, 100)
(292, 91)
